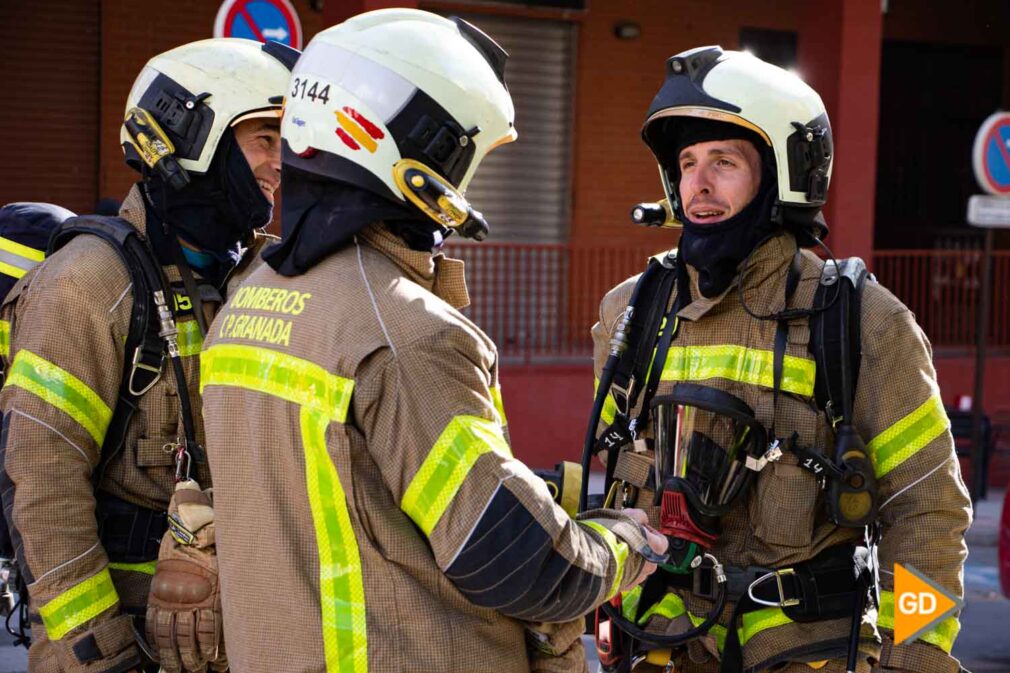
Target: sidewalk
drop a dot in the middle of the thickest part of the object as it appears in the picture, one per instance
(983, 646)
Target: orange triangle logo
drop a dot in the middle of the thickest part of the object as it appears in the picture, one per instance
(919, 603)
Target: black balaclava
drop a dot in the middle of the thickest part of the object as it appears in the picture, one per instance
(320, 216)
(216, 212)
(715, 251)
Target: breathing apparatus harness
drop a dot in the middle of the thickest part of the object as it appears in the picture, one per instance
(834, 584)
(152, 333)
(151, 337)
(627, 367)
(158, 154)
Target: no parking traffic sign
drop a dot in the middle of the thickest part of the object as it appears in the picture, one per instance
(260, 20)
(991, 154)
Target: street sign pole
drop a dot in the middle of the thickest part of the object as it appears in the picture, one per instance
(991, 162)
(978, 448)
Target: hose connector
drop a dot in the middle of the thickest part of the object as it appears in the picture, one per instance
(619, 342)
(169, 332)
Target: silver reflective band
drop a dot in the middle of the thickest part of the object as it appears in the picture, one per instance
(17, 259)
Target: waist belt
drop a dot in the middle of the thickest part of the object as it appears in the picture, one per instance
(811, 591)
(130, 533)
(829, 586)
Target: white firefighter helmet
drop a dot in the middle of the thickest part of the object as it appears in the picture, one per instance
(738, 88)
(196, 91)
(394, 87)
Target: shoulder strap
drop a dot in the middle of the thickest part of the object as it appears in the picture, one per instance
(835, 337)
(646, 315)
(144, 347)
(640, 328)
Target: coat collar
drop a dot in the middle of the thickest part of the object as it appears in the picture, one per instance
(443, 276)
(763, 285)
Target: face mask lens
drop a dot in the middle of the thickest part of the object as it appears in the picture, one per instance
(705, 447)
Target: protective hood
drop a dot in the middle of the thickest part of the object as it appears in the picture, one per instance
(320, 216)
(715, 251)
(217, 211)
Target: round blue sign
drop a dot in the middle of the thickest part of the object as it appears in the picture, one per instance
(991, 154)
(261, 20)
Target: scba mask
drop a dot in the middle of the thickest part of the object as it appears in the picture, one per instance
(708, 445)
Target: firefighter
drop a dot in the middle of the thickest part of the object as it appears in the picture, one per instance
(91, 453)
(788, 493)
(370, 513)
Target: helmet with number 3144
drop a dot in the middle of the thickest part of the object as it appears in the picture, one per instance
(402, 103)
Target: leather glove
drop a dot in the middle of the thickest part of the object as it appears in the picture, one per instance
(184, 606)
(557, 648)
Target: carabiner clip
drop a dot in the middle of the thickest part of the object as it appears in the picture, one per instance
(183, 463)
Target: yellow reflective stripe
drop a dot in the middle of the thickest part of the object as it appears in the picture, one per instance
(5, 338)
(341, 588)
(752, 623)
(21, 250)
(274, 373)
(323, 398)
(619, 550)
(12, 271)
(905, 438)
(63, 390)
(147, 568)
(671, 607)
(499, 405)
(717, 630)
(942, 635)
(78, 604)
(738, 363)
(609, 405)
(629, 602)
(190, 339)
(464, 440)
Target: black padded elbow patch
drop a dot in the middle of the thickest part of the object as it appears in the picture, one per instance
(509, 564)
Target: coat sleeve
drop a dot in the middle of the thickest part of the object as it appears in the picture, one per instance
(61, 386)
(427, 411)
(924, 509)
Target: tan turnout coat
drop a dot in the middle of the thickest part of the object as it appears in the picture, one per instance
(356, 435)
(68, 320)
(924, 507)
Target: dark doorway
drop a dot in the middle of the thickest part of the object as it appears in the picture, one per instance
(933, 98)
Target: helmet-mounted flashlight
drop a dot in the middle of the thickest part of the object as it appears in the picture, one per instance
(438, 199)
(154, 147)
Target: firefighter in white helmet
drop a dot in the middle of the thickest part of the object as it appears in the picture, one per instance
(96, 435)
(795, 419)
(354, 421)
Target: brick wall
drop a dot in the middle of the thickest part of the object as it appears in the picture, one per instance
(49, 117)
(69, 65)
(616, 82)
